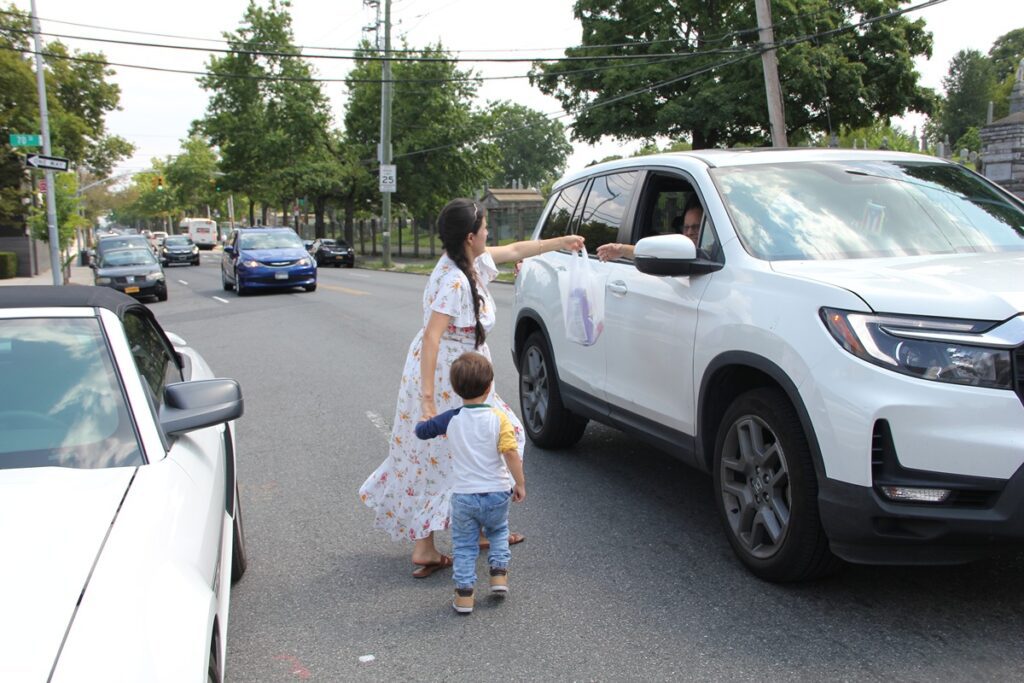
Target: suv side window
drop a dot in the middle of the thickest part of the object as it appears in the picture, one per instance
(665, 202)
(560, 216)
(155, 361)
(607, 203)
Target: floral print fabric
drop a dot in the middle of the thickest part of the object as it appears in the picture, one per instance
(410, 491)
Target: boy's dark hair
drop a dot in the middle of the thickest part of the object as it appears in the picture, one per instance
(471, 375)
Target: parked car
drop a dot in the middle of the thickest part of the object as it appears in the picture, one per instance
(132, 271)
(112, 241)
(266, 258)
(179, 249)
(842, 348)
(333, 252)
(119, 507)
(308, 245)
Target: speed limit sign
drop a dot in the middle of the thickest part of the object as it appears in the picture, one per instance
(388, 178)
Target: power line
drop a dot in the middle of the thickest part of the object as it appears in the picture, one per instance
(314, 79)
(367, 57)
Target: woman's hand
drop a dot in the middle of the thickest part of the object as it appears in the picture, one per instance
(428, 408)
(572, 243)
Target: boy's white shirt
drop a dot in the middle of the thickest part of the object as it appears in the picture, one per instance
(476, 435)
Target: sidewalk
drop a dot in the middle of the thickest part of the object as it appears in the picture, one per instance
(80, 275)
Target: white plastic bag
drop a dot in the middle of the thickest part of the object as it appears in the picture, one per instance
(583, 302)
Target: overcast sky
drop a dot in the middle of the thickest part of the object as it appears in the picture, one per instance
(158, 107)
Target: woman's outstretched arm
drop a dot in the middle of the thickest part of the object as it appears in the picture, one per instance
(517, 251)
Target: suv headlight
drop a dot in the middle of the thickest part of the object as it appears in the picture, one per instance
(251, 263)
(929, 348)
(103, 280)
(155, 276)
(304, 262)
(195, 249)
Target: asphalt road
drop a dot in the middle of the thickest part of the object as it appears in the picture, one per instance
(625, 573)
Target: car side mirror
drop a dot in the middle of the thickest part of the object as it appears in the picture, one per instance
(671, 255)
(228, 249)
(203, 403)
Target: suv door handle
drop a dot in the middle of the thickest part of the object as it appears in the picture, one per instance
(617, 287)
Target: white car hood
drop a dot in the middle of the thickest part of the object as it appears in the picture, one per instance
(52, 524)
(971, 286)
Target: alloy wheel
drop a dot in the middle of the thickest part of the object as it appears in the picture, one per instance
(534, 389)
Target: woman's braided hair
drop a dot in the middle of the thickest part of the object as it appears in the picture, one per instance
(459, 218)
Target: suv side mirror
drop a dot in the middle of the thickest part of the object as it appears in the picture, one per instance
(228, 249)
(671, 255)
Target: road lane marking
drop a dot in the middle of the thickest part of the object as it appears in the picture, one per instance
(382, 426)
(223, 301)
(183, 282)
(345, 290)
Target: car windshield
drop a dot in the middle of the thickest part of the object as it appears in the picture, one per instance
(866, 209)
(111, 243)
(63, 406)
(128, 257)
(179, 241)
(271, 240)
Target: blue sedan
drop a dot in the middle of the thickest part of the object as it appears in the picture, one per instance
(266, 258)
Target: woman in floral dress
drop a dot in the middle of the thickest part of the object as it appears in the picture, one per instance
(409, 492)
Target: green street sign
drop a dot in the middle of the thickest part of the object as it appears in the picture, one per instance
(25, 140)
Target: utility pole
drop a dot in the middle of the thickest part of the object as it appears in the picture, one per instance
(44, 120)
(766, 35)
(385, 136)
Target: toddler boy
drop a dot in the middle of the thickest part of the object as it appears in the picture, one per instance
(487, 473)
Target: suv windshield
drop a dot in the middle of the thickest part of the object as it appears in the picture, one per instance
(865, 209)
(68, 409)
(270, 240)
(178, 241)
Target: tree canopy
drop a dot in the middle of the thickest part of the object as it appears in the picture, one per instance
(692, 69)
(531, 147)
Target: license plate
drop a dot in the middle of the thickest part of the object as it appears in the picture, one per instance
(280, 276)
(131, 290)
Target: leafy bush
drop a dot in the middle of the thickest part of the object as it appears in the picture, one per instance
(8, 264)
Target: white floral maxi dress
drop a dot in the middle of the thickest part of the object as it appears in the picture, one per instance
(410, 491)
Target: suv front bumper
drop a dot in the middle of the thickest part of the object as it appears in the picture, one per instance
(863, 527)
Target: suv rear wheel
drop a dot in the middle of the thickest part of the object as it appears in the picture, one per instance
(767, 491)
(548, 423)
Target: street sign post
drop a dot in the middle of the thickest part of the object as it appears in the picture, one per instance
(388, 178)
(25, 140)
(51, 163)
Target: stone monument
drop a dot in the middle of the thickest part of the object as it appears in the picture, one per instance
(1002, 142)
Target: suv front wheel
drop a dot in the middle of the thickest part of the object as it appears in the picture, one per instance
(548, 423)
(766, 489)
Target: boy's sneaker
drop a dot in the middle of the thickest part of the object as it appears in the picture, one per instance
(499, 581)
(463, 601)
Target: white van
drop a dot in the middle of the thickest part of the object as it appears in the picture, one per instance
(203, 231)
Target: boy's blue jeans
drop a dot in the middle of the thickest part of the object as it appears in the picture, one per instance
(471, 514)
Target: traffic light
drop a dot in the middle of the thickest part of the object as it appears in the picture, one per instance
(159, 183)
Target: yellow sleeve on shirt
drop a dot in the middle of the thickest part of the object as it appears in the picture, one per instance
(506, 434)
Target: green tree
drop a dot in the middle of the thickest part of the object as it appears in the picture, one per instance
(67, 203)
(709, 89)
(79, 97)
(193, 176)
(878, 135)
(969, 85)
(437, 137)
(269, 119)
(531, 147)
(1005, 54)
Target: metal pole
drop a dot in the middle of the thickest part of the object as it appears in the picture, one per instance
(385, 133)
(44, 120)
(766, 35)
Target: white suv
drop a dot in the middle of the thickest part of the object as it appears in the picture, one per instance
(842, 348)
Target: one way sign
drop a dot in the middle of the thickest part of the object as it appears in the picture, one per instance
(52, 163)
